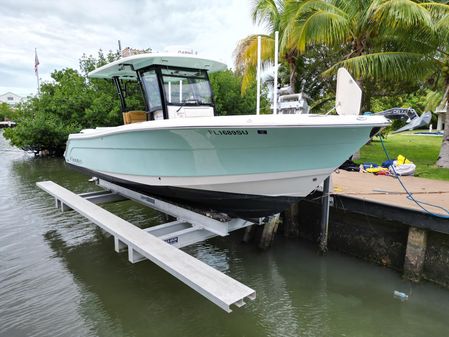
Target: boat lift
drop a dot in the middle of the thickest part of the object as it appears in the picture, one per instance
(160, 244)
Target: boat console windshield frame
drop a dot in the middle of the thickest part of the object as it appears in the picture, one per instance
(164, 86)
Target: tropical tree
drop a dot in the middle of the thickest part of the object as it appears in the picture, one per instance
(6, 111)
(394, 45)
(268, 13)
(379, 39)
(403, 40)
(369, 36)
(440, 19)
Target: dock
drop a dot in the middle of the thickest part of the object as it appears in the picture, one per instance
(370, 217)
(387, 190)
(160, 244)
(384, 197)
(427, 222)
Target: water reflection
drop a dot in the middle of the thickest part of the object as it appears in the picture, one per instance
(136, 299)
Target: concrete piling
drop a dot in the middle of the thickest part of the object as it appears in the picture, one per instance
(415, 254)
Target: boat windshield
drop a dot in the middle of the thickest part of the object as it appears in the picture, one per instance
(152, 90)
(186, 86)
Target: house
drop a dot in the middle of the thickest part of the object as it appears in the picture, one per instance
(441, 113)
(10, 98)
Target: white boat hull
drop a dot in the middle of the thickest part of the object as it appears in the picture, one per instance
(248, 166)
(294, 184)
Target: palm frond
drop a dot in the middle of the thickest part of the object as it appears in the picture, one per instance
(405, 42)
(266, 12)
(387, 66)
(433, 100)
(313, 21)
(246, 56)
(321, 28)
(366, 16)
(436, 9)
(442, 28)
(310, 6)
(246, 52)
(359, 12)
(247, 79)
(407, 14)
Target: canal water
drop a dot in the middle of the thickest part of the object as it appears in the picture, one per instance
(59, 276)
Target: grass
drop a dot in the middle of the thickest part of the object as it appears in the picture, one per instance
(422, 150)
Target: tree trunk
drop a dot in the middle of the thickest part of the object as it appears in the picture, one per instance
(293, 74)
(443, 158)
(293, 80)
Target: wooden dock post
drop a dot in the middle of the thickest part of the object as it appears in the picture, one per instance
(415, 253)
(248, 234)
(325, 204)
(269, 231)
(291, 221)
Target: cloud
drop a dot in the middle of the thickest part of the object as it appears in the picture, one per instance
(63, 30)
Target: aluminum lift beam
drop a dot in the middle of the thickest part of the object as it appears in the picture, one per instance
(221, 228)
(159, 243)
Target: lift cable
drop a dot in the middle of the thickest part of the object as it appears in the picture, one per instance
(410, 195)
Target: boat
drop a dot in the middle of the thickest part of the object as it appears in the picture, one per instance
(7, 124)
(177, 149)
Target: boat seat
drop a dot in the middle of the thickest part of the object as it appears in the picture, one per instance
(134, 117)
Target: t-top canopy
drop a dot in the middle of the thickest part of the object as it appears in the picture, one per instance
(125, 68)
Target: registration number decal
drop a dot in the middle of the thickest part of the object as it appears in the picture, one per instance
(75, 160)
(228, 132)
(172, 241)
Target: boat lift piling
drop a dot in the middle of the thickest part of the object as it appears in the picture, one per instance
(160, 243)
(325, 205)
(269, 232)
(291, 221)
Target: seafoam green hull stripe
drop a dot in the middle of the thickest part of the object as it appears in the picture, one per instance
(211, 152)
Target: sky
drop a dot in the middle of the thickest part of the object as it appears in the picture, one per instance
(63, 30)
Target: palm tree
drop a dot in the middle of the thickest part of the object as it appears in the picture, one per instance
(269, 13)
(384, 39)
(440, 18)
(379, 40)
